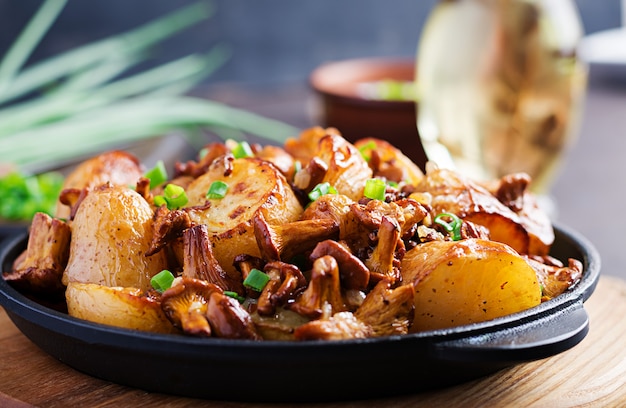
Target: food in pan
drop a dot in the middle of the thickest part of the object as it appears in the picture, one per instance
(318, 239)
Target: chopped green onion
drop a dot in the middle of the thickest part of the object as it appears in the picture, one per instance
(375, 189)
(157, 174)
(320, 190)
(256, 280)
(364, 150)
(162, 281)
(234, 295)
(217, 190)
(159, 200)
(297, 165)
(175, 196)
(453, 227)
(202, 153)
(242, 150)
(24, 195)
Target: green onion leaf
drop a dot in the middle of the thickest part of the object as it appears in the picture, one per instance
(24, 195)
(453, 227)
(159, 200)
(242, 149)
(234, 295)
(256, 280)
(320, 190)
(364, 150)
(375, 189)
(175, 196)
(157, 174)
(162, 281)
(217, 190)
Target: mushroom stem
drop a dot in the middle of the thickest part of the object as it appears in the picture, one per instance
(283, 242)
(200, 263)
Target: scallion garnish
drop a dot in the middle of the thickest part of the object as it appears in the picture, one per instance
(364, 150)
(375, 189)
(173, 196)
(217, 190)
(242, 149)
(453, 227)
(24, 195)
(157, 174)
(256, 280)
(89, 104)
(162, 281)
(320, 190)
(234, 295)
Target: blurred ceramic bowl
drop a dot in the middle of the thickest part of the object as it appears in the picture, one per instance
(370, 97)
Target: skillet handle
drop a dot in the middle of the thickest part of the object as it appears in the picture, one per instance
(533, 340)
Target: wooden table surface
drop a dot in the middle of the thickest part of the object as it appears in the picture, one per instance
(591, 374)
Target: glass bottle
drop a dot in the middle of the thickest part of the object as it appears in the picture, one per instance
(501, 87)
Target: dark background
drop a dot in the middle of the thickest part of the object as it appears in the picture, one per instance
(273, 41)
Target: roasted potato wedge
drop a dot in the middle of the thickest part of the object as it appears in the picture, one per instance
(453, 193)
(253, 184)
(390, 162)
(116, 306)
(115, 167)
(468, 281)
(111, 234)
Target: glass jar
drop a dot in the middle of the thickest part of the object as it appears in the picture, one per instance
(501, 87)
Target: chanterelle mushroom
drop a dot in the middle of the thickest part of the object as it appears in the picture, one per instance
(186, 303)
(286, 281)
(322, 298)
(40, 267)
(200, 263)
(284, 241)
(200, 308)
(354, 274)
(384, 312)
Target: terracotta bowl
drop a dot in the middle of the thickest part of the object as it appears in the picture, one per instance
(344, 104)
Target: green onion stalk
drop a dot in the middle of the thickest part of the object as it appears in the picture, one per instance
(82, 101)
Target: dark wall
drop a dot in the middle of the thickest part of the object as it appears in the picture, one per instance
(272, 40)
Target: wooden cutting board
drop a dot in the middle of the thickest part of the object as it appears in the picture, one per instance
(591, 374)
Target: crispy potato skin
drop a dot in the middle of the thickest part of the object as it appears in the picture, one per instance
(253, 185)
(468, 281)
(116, 167)
(116, 306)
(110, 236)
(453, 193)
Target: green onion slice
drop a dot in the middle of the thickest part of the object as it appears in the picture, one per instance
(320, 190)
(217, 190)
(175, 196)
(453, 227)
(242, 150)
(162, 281)
(256, 280)
(364, 150)
(375, 189)
(157, 174)
(234, 295)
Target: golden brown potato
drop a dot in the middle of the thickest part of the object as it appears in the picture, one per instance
(111, 234)
(453, 193)
(468, 281)
(253, 184)
(116, 306)
(115, 167)
(347, 169)
(388, 161)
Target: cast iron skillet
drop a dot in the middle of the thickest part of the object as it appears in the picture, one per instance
(242, 370)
